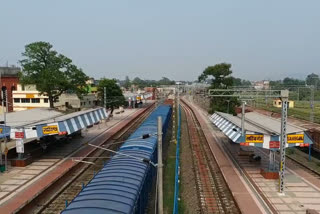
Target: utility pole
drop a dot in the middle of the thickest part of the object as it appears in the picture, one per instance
(228, 106)
(4, 95)
(312, 103)
(3, 127)
(160, 181)
(174, 117)
(250, 94)
(105, 97)
(283, 137)
(178, 97)
(243, 117)
(5, 138)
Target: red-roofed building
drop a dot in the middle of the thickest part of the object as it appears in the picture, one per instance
(152, 90)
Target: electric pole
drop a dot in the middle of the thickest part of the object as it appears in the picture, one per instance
(160, 177)
(250, 94)
(312, 103)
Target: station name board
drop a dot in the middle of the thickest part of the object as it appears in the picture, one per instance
(50, 129)
(254, 138)
(295, 138)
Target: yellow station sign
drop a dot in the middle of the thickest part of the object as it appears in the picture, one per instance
(50, 129)
(295, 138)
(254, 138)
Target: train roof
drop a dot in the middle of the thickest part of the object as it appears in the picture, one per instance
(116, 188)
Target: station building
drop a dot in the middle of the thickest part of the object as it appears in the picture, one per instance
(9, 80)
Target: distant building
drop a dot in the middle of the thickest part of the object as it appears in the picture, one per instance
(278, 103)
(71, 100)
(154, 92)
(261, 85)
(9, 80)
(27, 97)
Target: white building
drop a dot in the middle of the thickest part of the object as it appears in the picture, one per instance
(27, 97)
(261, 85)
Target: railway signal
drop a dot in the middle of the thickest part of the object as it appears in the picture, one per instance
(250, 94)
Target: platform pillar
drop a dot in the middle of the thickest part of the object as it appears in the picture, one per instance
(272, 158)
(160, 177)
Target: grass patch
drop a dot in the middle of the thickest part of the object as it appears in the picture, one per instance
(169, 178)
(301, 109)
(304, 159)
(169, 173)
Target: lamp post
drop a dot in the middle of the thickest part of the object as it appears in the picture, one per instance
(228, 106)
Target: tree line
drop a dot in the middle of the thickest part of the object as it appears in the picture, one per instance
(141, 83)
(220, 76)
(54, 74)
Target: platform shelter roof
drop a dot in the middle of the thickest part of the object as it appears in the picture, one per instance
(271, 124)
(28, 117)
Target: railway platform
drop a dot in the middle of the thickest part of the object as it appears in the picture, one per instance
(302, 189)
(21, 184)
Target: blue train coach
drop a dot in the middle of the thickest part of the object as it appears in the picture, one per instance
(124, 183)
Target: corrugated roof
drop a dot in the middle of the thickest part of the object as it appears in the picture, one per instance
(27, 117)
(63, 117)
(237, 121)
(271, 124)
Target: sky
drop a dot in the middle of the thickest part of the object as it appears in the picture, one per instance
(176, 39)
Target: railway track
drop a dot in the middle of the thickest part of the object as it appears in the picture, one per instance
(292, 163)
(304, 167)
(232, 154)
(55, 198)
(248, 169)
(214, 194)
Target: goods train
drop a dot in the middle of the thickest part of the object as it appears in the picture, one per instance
(124, 183)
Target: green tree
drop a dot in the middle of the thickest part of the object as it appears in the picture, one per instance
(292, 82)
(220, 75)
(139, 82)
(52, 73)
(241, 82)
(114, 96)
(312, 79)
(127, 83)
(166, 81)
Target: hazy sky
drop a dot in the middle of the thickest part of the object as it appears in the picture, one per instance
(173, 38)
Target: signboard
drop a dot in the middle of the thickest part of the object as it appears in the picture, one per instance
(29, 96)
(50, 129)
(274, 144)
(295, 138)
(6, 150)
(19, 146)
(19, 135)
(1, 130)
(254, 138)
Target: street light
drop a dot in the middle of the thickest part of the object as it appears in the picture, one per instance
(228, 106)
